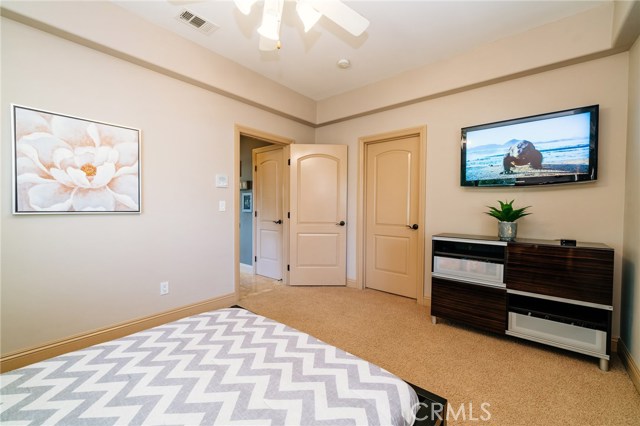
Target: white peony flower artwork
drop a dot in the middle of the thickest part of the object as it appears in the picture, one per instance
(64, 164)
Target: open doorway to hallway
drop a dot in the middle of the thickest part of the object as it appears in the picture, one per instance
(247, 145)
(248, 282)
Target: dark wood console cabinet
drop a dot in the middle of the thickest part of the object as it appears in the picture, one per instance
(538, 290)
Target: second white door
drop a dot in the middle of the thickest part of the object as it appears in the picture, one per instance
(268, 211)
(318, 206)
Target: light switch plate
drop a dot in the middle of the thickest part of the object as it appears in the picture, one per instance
(222, 205)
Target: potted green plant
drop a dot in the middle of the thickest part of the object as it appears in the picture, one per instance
(507, 216)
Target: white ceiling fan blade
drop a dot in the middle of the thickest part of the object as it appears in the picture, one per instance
(308, 15)
(245, 6)
(342, 15)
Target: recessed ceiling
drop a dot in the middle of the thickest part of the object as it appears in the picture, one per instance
(403, 35)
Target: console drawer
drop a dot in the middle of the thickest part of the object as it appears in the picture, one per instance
(469, 270)
(575, 273)
(476, 305)
(579, 339)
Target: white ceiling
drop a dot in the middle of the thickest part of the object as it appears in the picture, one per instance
(403, 35)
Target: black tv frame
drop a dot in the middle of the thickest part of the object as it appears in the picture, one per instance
(509, 180)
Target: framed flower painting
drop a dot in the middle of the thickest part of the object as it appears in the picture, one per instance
(64, 164)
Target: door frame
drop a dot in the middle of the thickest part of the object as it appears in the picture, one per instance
(239, 131)
(363, 142)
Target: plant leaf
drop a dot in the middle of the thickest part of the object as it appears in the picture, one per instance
(506, 212)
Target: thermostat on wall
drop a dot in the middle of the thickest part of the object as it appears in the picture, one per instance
(222, 181)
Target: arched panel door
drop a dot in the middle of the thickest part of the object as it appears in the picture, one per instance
(318, 214)
(392, 219)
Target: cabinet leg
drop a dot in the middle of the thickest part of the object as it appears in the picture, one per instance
(604, 364)
(434, 320)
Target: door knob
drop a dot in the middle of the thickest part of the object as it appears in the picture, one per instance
(414, 226)
(341, 223)
(278, 222)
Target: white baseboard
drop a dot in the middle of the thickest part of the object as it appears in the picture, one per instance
(629, 363)
(352, 283)
(29, 356)
(247, 269)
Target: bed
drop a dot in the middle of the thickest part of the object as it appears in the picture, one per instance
(228, 367)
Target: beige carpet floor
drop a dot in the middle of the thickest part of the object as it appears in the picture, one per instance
(523, 383)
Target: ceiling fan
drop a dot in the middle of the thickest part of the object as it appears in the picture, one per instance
(309, 11)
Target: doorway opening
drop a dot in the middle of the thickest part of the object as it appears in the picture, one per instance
(246, 140)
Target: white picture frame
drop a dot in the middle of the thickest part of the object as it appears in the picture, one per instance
(64, 164)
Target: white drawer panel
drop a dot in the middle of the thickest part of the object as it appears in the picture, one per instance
(567, 336)
(468, 269)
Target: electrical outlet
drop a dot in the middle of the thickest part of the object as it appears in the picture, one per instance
(164, 288)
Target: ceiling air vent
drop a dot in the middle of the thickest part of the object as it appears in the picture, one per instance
(197, 22)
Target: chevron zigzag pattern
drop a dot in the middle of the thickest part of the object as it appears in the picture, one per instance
(228, 367)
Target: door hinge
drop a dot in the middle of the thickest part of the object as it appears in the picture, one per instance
(287, 267)
(255, 213)
(288, 215)
(289, 162)
(255, 258)
(255, 168)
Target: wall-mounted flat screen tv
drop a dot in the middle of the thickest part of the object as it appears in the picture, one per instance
(556, 147)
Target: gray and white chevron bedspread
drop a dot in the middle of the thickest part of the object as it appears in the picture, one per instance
(227, 367)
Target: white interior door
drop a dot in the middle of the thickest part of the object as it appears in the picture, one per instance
(392, 220)
(318, 210)
(268, 211)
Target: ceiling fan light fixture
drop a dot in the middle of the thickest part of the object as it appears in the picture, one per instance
(270, 29)
(271, 18)
(309, 12)
(268, 45)
(308, 15)
(245, 6)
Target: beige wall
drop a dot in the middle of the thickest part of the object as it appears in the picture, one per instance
(586, 212)
(93, 23)
(63, 275)
(630, 324)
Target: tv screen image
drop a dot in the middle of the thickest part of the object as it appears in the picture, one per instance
(557, 147)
